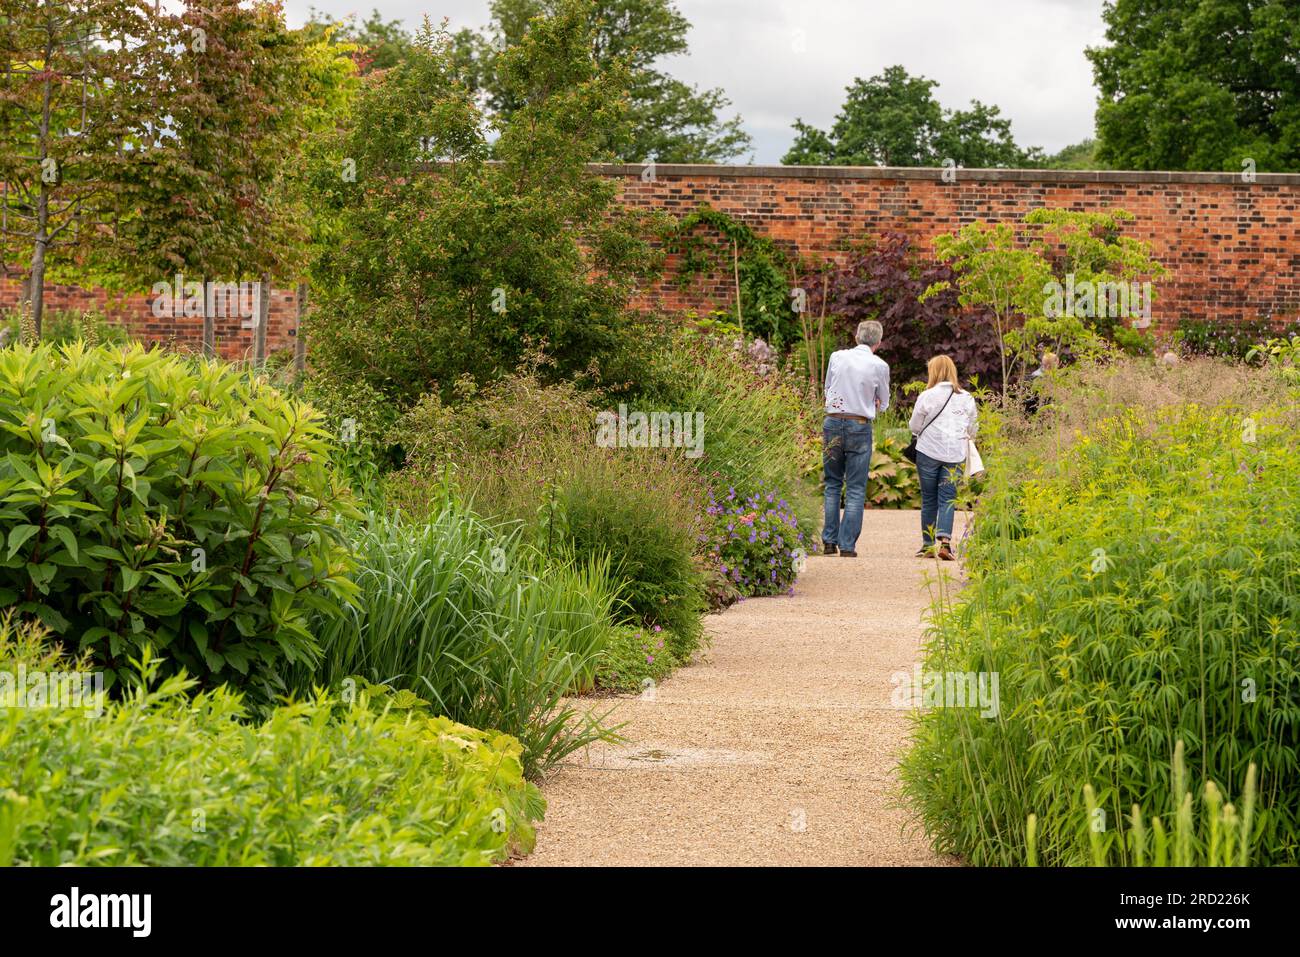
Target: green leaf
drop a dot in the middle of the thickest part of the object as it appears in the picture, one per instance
(18, 535)
(64, 534)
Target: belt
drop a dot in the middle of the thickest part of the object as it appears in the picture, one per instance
(846, 415)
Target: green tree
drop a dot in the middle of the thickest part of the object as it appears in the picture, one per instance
(446, 264)
(377, 44)
(1080, 155)
(893, 119)
(666, 120)
(1199, 85)
(1015, 273)
(217, 198)
(81, 98)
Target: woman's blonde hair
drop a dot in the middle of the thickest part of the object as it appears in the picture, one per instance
(943, 369)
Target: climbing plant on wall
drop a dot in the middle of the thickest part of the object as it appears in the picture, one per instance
(711, 243)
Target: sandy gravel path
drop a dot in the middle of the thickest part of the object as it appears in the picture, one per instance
(778, 746)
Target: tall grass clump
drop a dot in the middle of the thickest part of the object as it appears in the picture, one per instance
(762, 425)
(525, 454)
(1140, 590)
(483, 627)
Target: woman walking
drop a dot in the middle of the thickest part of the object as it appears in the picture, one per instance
(944, 421)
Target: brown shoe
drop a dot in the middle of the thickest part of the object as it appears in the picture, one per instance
(845, 553)
(945, 553)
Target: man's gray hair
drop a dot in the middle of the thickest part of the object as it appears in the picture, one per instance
(870, 333)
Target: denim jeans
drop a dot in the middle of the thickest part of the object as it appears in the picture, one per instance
(938, 493)
(846, 463)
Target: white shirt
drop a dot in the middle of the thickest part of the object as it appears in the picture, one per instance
(945, 439)
(856, 379)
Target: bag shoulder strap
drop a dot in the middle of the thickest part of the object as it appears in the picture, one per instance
(937, 414)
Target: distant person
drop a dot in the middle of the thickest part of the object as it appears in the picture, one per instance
(944, 420)
(1037, 378)
(857, 388)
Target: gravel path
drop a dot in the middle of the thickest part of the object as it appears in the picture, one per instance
(778, 745)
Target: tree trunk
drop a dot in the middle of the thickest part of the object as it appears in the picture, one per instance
(42, 238)
(263, 316)
(38, 274)
(209, 325)
(300, 337)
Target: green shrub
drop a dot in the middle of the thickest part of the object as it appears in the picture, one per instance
(526, 453)
(448, 271)
(461, 614)
(153, 499)
(359, 419)
(1136, 592)
(601, 511)
(894, 482)
(636, 659)
(1229, 340)
(163, 779)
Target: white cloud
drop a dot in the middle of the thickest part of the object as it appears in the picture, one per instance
(1025, 56)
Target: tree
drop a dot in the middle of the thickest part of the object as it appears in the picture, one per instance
(1015, 278)
(893, 119)
(1199, 85)
(1080, 155)
(216, 196)
(378, 44)
(667, 120)
(447, 264)
(886, 280)
(79, 102)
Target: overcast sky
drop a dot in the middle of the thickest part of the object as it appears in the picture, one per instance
(781, 59)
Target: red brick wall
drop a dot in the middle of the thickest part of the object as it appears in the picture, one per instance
(135, 311)
(1232, 248)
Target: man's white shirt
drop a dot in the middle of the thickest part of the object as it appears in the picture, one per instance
(856, 379)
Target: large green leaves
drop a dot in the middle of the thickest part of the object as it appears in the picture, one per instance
(150, 498)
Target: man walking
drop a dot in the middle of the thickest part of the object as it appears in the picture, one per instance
(857, 388)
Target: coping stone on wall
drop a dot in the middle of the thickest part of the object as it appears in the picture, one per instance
(721, 171)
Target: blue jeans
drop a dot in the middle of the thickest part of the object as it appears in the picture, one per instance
(938, 495)
(846, 463)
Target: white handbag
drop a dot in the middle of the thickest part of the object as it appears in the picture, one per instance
(974, 463)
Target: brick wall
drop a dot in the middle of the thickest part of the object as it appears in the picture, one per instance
(1232, 248)
(135, 311)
